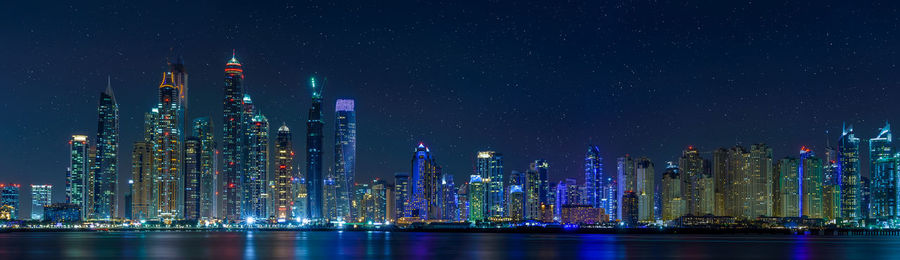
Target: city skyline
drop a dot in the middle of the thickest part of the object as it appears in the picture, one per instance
(392, 114)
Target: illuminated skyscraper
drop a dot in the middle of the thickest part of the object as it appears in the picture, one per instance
(41, 195)
(401, 190)
(625, 178)
(254, 189)
(9, 196)
(698, 187)
(593, 177)
(884, 188)
(476, 199)
(314, 178)
(786, 202)
(232, 140)
(882, 146)
(167, 152)
(673, 205)
(760, 173)
(646, 189)
(516, 203)
(811, 188)
(345, 154)
(192, 153)
(284, 167)
(848, 173)
(448, 206)
(542, 167)
(489, 165)
(425, 199)
(142, 172)
(610, 198)
(630, 209)
(207, 164)
(106, 167)
(533, 188)
(76, 179)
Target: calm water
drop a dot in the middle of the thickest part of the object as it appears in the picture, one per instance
(401, 245)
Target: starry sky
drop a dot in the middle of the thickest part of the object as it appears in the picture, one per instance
(530, 79)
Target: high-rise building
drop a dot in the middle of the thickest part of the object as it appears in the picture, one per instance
(76, 177)
(207, 165)
(192, 153)
(284, 167)
(646, 189)
(167, 152)
(9, 197)
(401, 194)
(40, 197)
(884, 188)
(489, 165)
(697, 185)
(449, 198)
(314, 178)
(610, 198)
(142, 173)
(673, 205)
(625, 178)
(425, 195)
(533, 193)
(476, 199)
(129, 197)
(811, 186)
(593, 177)
(345, 153)
(759, 196)
(720, 166)
(377, 210)
(462, 202)
(301, 197)
(849, 174)
(786, 202)
(542, 167)
(516, 203)
(881, 146)
(630, 208)
(106, 167)
(254, 190)
(865, 198)
(232, 140)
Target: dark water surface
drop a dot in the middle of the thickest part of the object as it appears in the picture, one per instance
(403, 245)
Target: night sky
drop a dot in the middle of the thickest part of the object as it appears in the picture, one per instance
(529, 79)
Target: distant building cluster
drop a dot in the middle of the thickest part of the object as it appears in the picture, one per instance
(180, 173)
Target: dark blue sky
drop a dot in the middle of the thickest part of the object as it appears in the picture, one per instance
(529, 79)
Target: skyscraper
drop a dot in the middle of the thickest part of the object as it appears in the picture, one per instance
(533, 188)
(516, 203)
(786, 202)
(232, 139)
(759, 197)
(476, 199)
(142, 173)
(625, 178)
(848, 173)
(254, 189)
(881, 146)
(41, 195)
(314, 178)
(593, 177)
(646, 189)
(542, 167)
(192, 153)
(203, 130)
(345, 154)
(106, 167)
(884, 188)
(673, 204)
(630, 209)
(76, 179)
(697, 186)
(448, 199)
(425, 199)
(489, 165)
(284, 167)
(401, 190)
(9, 197)
(167, 156)
(811, 188)
(610, 198)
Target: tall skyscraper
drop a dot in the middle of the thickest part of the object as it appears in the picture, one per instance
(489, 165)
(593, 177)
(254, 189)
(345, 154)
(284, 167)
(630, 208)
(610, 198)
(314, 178)
(401, 190)
(884, 188)
(9, 197)
(232, 139)
(516, 203)
(533, 188)
(142, 173)
(207, 164)
(424, 201)
(476, 199)
(106, 167)
(697, 186)
(449, 199)
(811, 187)
(542, 167)
(167, 148)
(646, 189)
(673, 206)
(881, 146)
(786, 202)
(760, 173)
(76, 177)
(192, 153)
(41, 195)
(625, 178)
(848, 173)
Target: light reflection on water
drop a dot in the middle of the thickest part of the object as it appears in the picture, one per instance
(409, 245)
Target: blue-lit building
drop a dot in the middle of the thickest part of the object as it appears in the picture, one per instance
(62, 212)
(849, 174)
(593, 177)
(489, 165)
(401, 194)
(424, 187)
(476, 199)
(314, 136)
(345, 155)
(449, 211)
(883, 176)
(9, 197)
(41, 196)
(77, 174)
